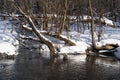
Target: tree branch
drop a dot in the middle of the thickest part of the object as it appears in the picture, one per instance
(57, 36)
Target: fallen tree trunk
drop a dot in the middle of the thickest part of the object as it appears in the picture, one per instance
(61, 37)
(57, 36)
(106, 48)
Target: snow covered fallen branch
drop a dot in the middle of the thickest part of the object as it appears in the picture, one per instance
(107, 21)
(51, 34)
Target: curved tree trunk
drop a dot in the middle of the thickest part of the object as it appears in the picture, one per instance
(41, 37)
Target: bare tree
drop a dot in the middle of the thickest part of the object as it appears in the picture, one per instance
(29, 17)
(92, 23)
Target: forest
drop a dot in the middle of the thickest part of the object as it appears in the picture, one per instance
(59, 39)
(51, 23)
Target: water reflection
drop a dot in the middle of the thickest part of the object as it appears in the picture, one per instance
(6, 69)
(31, 65)
(102, 68)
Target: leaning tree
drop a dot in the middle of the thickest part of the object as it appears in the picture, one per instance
(26, 10)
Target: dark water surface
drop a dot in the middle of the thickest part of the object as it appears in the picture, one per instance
(31, 65)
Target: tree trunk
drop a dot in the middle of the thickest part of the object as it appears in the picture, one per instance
(41, 37)
(100, 26)
(92, 24)
(57, 36)
(64, 16)
(60, 37)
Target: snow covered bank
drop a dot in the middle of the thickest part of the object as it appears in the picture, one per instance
(7, 48)
(79, 48)
(108, 41)
(107, 21)
(8, 42)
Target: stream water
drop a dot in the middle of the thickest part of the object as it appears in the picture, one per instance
(32, 65)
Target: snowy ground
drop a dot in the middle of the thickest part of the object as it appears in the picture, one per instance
(8, 42)
(109, 36)
(83, 40)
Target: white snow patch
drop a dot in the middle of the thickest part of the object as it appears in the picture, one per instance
(99, 44)
(110, 41)
(44, 48)
(86, 17)
(79, 48)
(8, 48)
(27, 26)
(8, 42)
(107, 21)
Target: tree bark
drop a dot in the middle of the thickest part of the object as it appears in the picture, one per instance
(64, 16)
(41, 37)
(92, 24)
(60, 37)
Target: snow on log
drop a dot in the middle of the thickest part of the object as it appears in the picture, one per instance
(60, 37)
(80, 48)
(107, 21)
(107, 45)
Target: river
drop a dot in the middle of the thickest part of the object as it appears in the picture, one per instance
(32, 65)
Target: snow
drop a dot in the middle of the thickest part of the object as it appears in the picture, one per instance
(110, 41)
(79, 48)
(8, 48)
(107, 21)
(72, 17)
(99, 44)
(86, 17)
(27, 26)
(83, 40)
(8, 42)
(117, 24)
